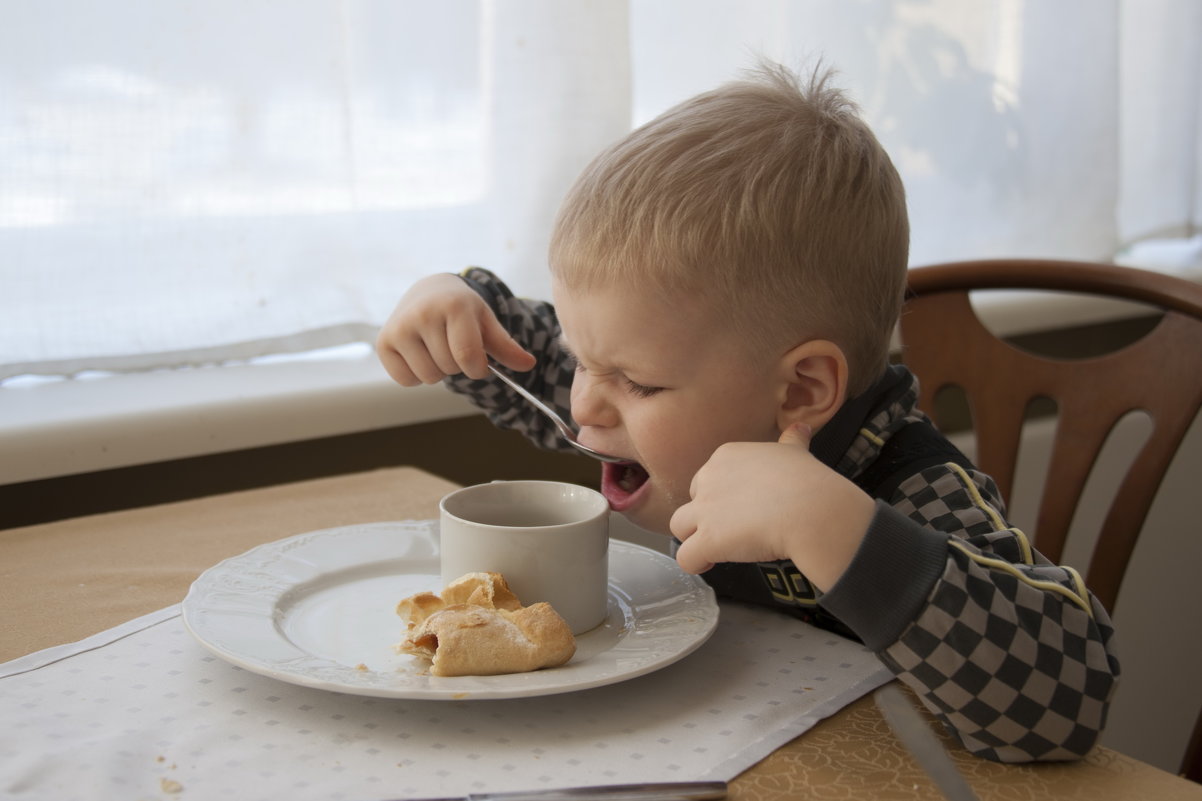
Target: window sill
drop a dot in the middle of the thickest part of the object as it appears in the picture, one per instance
(79, 426)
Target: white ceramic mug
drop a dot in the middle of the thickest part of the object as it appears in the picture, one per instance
(549, 539)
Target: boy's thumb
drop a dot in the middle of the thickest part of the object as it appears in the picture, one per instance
(797, 434)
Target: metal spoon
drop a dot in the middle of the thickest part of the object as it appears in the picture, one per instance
(670, 791)
(565, 430)
(917, 738)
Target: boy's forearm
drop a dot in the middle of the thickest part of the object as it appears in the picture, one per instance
(889, 579)
(974, 635)
(1019, 671)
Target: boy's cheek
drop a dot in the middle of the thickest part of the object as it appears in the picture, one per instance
(653, 517)
(660, 513)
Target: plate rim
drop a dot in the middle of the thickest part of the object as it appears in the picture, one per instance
(706, 623)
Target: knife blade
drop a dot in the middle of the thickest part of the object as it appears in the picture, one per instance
(912, 729)
(655, 791)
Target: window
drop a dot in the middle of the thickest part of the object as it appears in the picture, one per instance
(205, 180)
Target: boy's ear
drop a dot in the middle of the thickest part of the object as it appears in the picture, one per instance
(814, 384)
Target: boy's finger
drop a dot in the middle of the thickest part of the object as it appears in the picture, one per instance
(442, 355)
(466, 345)
(689, 562)
(682, 524)
(797, 434)
(423, 366)
(397, 368)
(504, 348)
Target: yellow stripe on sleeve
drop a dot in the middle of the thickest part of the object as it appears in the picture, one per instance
(1080, 597)
(977, 500)
(873, 438)
(1024, 544)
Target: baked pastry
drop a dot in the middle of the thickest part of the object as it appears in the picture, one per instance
(477, 627)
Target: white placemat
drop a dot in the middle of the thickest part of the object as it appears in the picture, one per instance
(144, 712)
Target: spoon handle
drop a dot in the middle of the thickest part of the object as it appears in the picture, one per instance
(565, 430)
(563, 427)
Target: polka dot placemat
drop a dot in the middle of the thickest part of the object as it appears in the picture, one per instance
(144, 712)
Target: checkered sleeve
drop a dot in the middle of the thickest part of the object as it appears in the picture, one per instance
(1012, 652)
(535, 326)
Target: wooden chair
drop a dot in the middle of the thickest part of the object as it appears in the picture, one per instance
(945, 344)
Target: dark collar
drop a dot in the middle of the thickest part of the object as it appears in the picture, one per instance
(834, 438)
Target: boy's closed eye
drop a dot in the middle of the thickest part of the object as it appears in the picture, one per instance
(640, 390)
(633, 387)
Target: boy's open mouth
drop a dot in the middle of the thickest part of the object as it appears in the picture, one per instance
(622, 483)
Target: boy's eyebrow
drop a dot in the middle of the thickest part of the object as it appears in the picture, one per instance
(565, 347)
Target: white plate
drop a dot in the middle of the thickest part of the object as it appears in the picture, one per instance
(317, 609)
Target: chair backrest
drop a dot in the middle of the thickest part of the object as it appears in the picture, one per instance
(945, 344)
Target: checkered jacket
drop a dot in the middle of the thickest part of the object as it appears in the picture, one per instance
(1011, 652)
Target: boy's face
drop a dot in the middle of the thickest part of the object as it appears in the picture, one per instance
(662, 385)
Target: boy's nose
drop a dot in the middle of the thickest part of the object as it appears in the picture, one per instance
(590, 406)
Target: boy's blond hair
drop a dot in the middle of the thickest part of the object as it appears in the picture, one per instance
(770, 199)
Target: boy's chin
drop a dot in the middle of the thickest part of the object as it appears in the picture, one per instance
(650, 518)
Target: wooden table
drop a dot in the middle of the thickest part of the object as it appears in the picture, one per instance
(63, 581)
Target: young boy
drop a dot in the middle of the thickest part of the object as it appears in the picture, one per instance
(726, 280)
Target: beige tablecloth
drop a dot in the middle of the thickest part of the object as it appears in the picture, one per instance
(64, 581)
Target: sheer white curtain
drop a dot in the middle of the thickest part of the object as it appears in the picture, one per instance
(201, 180)
(1021, 127)
(204, 180)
